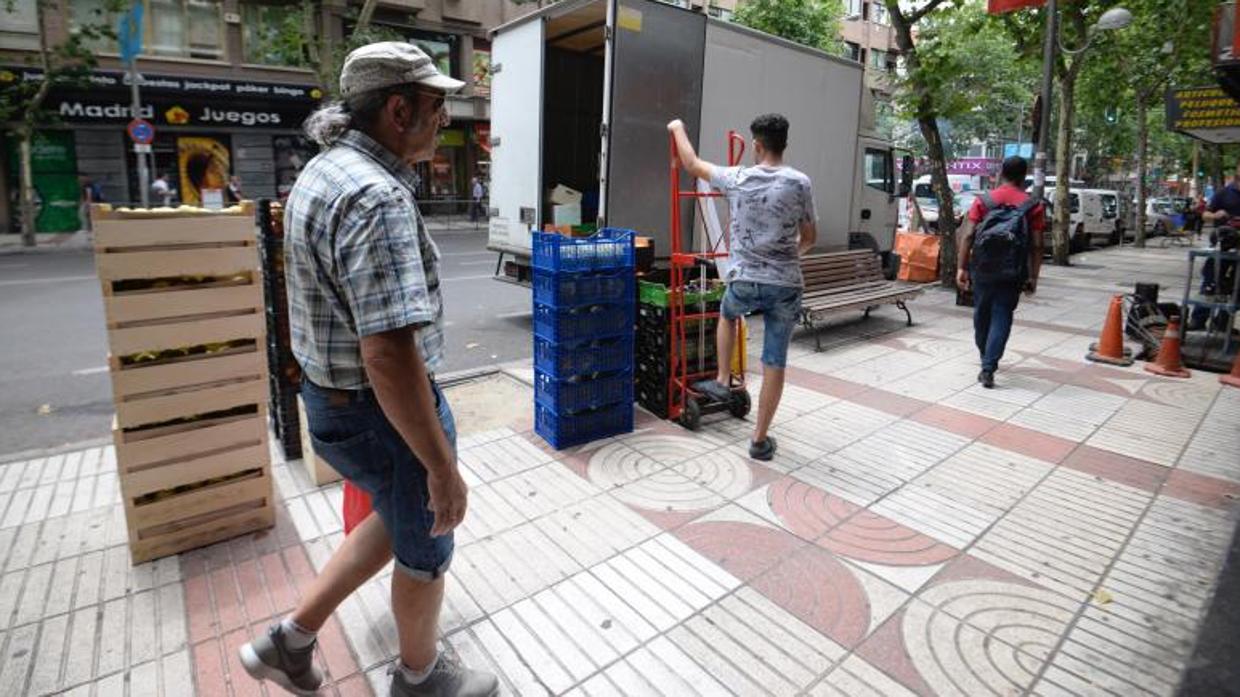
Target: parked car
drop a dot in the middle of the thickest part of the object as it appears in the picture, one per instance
(1165, 214)
(963, 195)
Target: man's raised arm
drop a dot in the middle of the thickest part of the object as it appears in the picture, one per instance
(688, 156)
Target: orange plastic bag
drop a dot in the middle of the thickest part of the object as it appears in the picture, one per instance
(919, 257)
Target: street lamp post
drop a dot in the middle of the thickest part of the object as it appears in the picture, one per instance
(1114, 18)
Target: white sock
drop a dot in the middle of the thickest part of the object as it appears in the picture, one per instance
(296, 636)
(416, 677)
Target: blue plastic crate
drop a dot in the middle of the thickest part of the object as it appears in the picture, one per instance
(586, 322)
(565, 431)
(570, 289)
(575, 395)
(608, 249)
(565, 360)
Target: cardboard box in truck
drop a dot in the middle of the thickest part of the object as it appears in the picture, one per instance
(582, 91)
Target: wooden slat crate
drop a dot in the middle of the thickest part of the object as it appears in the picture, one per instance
(183, 301)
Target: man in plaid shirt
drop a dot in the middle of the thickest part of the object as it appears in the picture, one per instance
(367, 325)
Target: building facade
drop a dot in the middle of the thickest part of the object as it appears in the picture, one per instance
(227, 84)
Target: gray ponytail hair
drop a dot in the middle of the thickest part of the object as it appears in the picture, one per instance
(330, 121)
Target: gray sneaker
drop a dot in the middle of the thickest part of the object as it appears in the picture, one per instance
(270, 658)
(714, 389)
(448, 679)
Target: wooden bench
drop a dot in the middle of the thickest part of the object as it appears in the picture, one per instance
(852, 280)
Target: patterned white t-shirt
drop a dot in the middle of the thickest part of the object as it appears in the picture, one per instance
(768, 205)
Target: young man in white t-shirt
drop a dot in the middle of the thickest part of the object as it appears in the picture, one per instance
(773, 224)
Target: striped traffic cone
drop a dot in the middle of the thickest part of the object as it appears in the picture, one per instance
(1168, 362)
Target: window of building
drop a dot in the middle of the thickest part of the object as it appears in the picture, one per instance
(853, 8)
(879, 13)
(878, 174)
(20, 26)
(272, 34)
(181, 28)
(852, 50)
(878, 59)
(720, 12)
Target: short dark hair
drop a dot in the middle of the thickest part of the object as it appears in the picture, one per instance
(772, 131)
(1015, 169)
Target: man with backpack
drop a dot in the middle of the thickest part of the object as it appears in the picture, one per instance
(999, 254)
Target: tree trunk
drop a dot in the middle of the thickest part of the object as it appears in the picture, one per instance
(25, 136)
(1143, 139)
(927, 122)
(1061, 237)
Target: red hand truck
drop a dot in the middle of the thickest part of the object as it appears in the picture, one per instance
(685, 404)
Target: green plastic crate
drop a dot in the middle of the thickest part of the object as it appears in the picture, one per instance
(656, 294)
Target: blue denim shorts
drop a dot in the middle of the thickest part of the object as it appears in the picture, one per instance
(350, 432)
(780, 307)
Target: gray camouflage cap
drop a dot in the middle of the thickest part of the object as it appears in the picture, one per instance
(388, 63)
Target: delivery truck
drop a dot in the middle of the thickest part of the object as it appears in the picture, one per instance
(581, 93)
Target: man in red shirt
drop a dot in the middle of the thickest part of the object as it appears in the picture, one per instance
(994, 301)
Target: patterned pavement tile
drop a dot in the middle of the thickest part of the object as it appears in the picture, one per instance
(856, 678)
(497, 459)
(837, 425)
(1138, 637)
(740, 542)
(887, 549)
(976, 402)
(840, 600)
(1065, 533)
(1212, 449)
(984, 477)
(849, 478)
(1148, 431)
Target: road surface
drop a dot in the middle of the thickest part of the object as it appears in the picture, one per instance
(54, 348)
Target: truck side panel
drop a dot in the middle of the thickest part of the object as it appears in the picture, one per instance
(747, 75)
(516, 159)
(656, 77)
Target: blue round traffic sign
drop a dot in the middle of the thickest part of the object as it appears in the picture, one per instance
(141, 131)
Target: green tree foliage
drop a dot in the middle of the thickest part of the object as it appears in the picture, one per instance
(977, 77)
(813, 23)
(64, 60)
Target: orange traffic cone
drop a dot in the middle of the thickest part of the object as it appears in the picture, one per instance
(1110, 346)
(1168, 363)
(1234, 378)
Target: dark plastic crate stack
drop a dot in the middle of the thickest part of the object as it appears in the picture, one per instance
(284, 371)
(584, 312)
(652, 355)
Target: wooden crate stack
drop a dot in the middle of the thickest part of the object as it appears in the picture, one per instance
(183, 299)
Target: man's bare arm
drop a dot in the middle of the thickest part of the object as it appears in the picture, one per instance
(688, 156)
(809, 237)
(964, 244)
(401, 383)
(1037, 242)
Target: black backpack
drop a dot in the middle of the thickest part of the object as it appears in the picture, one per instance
(1001, 242)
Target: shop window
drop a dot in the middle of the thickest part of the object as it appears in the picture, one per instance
(482, 68)
(20, 26)
(273, 34)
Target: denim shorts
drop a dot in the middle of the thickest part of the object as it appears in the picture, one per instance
(350, 432)
(780, 307)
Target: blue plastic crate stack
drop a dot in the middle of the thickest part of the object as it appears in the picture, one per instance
(584, 305)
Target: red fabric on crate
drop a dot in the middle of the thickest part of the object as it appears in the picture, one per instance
(356, 506)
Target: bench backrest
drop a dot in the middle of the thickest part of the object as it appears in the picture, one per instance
(841, 269)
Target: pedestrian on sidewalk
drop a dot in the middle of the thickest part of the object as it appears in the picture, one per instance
(367, 325)
(476, 193)
(999, 254)
(162, 191)
(1224, 205)
(773, 224)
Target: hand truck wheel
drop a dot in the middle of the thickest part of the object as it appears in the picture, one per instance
(740, 405)
(691, 417)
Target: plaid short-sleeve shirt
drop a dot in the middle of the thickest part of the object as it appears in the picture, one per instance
(358, 261)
